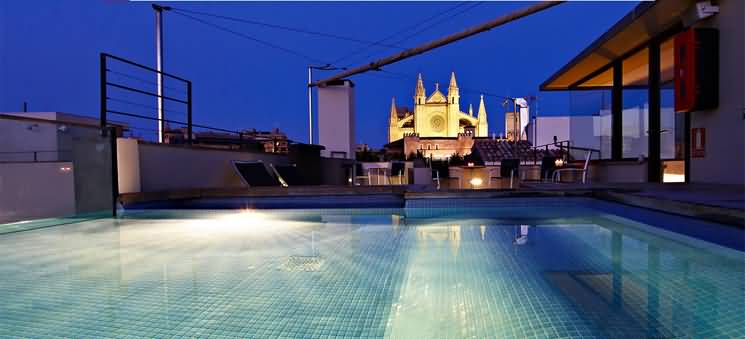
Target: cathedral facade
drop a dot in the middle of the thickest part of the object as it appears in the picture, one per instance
(436, 115)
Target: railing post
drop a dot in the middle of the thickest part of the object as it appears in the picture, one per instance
(188, 113)
(617, 112)
(35, 156)
(114, 171)
(104, 95)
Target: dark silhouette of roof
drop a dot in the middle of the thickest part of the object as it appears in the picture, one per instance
(495, 150)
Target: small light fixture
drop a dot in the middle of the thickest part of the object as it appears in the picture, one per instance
(475, 182)
(559, 162)
(470, 164)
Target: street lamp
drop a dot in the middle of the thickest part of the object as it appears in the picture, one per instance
(326, 67)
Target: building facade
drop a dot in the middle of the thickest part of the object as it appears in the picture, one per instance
(436, 115)
(643, 64)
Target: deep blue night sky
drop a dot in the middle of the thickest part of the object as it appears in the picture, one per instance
(49, 56)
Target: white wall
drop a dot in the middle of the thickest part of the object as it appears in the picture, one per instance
(336, 109)
(725, 126)
(36, 190)
(25, 136)
(617, 172)
(172, 167)
(548, 127)
(128, 165)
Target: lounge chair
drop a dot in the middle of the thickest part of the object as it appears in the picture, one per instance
(288, 175)
(582, 170)
(255, 173)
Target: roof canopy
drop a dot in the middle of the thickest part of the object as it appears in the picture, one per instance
(627, 41)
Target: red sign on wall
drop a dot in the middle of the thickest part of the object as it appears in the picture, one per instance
(698, 142)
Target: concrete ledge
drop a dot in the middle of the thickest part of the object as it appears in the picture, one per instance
(716, 214)
(624, 195)
(293, 191)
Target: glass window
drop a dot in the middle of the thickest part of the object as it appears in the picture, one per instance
(589, 125)
(636, 105)
(672, 144)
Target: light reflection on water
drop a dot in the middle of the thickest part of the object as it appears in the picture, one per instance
(402, 273)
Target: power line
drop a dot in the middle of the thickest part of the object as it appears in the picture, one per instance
(292, 29)
(433, 24)
(425, 28)
(437, 43)
(396, 33)
(248, 37)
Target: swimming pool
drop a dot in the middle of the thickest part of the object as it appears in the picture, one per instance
(521, 268)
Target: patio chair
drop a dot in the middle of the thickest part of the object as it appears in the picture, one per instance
(548, 166)
(288, 175)
(360, 175)
(255, 173)
(510, 168)
(583, 170)
(397, 170)
(441, 171)
(436, 178)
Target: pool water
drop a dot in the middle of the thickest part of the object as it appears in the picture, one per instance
(519, 268)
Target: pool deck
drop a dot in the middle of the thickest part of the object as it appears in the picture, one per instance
(718, 203)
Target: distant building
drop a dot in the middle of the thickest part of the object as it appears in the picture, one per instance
(430, 147)
(437, 115)
(509, 125)
(45, 136)
(273, 141)
(362, 148)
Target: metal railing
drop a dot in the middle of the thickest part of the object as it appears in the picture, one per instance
(105, 84)
(562, 150)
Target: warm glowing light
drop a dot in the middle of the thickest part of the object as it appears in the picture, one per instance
(470, 164)
(559, 162)
(670, 177)
(476, 182)
(65, 169)
(242, 222)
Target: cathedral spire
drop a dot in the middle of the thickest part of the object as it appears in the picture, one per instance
(470, 109)
(453, 92)
(419, 86)
(420, 95)
(482, 128)
(453, 83)
(394, 112)
(482, 111)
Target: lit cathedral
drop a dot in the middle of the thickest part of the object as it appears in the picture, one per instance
(438, 115)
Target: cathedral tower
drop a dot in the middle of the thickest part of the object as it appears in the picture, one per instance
(453, 106)
(482, 127)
